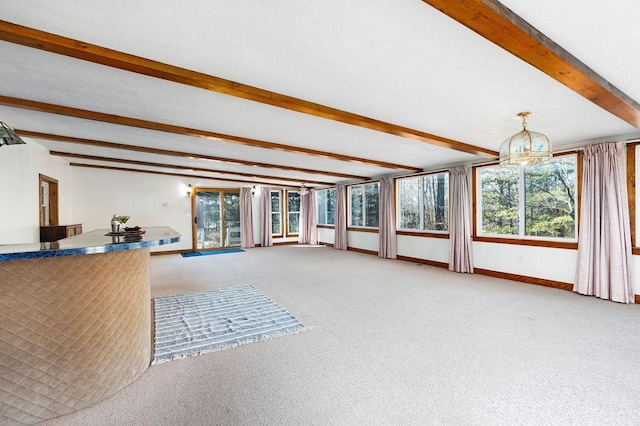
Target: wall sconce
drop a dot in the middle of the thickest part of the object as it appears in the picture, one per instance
(253, 190)
(189, 191)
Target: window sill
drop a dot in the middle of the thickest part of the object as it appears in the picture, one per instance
(326, 226)
(425, 234)
(358, 229)
(523, 242)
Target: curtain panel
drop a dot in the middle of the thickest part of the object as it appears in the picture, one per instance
(604, 238)
(340, 235)
(460, 229)
(387, 220)
(265, 217)
(246, 218)
(308, 218)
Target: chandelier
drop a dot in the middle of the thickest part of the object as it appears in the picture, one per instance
(525, 147)
(8, 136)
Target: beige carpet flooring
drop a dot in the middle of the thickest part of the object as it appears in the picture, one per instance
(391, 343)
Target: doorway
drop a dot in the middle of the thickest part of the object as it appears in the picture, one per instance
(216, 218)
(48, 201)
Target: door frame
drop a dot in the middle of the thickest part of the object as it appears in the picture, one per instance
(194, 210)
(53, 200)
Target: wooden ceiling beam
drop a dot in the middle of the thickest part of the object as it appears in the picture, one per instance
(89, 52)
(186, 131)
(155, 172)
(498, 24)
(178, 167)
(112, 145)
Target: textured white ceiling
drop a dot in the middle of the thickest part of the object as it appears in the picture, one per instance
(399, 61)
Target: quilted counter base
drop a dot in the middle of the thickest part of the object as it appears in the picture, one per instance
(73, 330)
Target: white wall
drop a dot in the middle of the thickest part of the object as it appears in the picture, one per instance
(363, 240)
(20, 166)
(150, 200)
(326, 236)
(541, 262)
(434, 249)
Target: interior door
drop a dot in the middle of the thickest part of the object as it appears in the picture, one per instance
(216, 218)
(48, 201)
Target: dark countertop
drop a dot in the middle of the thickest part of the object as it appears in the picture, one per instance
(90, 243)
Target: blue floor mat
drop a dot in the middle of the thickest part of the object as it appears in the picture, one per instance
(211, 252)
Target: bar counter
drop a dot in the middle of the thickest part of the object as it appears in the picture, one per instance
(75, 321)
(89, 243)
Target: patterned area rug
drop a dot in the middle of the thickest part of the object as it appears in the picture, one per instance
(196, 323)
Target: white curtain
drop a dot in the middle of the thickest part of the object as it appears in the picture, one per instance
(340, 236)
(246, 218)
(308, 218)
(387, 234)
(460, 230)
(604, 242)
(265, 217)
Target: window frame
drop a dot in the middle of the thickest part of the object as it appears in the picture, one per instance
(364, 211)
(299, 212)
(633, 152)
(283, 198)
(279, 234)
(325, 213)
(521, 239)
(421, 232)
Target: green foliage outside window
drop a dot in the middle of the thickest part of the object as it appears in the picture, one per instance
(550, 205)
(500, 200)
(549, 194)
(423, 202)
(364, 205)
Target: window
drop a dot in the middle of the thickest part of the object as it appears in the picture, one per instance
(326, 206)
(634, 196)
(285, 213)
(363, 205)
(276, 216)
(528, 202)
(293, 212)
(423, 203)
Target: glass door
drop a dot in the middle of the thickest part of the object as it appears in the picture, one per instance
(231, 219)
(216, 219)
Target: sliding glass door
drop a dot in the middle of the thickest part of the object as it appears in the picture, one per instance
(216, 221)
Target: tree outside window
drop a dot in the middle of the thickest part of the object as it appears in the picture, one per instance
(276, 223)
(535, 201)
(326, 201)
(293, 212)
(356, 205)
(363, 205)
(423, 202)
(550, 199)
(500, 200)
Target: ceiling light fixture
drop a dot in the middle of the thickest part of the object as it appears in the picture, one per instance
(8, 136)
(525, 147)
(303, 189)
